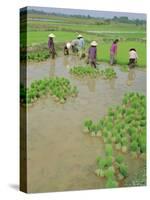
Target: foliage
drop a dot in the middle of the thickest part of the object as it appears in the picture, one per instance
(86, 71)
(124, 127)
(38, 56)
(108, 73)
(58, 87)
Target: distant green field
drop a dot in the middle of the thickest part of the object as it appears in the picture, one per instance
(34, 37)
(67, 28)
(37, 37)
(85, 26)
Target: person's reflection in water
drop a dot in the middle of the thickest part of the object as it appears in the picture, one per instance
(52, 68)
(131, 76)
(74, 60)
(66, 62)
(91, 83)
(112, 83)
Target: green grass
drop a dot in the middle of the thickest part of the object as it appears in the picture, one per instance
(123, 50)
(40, 37)
(37, 37)
(85, 26)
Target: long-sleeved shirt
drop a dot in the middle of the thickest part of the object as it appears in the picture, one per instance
(113, 48)
(133, 55)
(51, 44)
(75, 42)
(92, 53)
(81, 42)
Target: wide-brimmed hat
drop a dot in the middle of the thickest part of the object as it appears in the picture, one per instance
(94, 43)
(79, 36)
(51, 35)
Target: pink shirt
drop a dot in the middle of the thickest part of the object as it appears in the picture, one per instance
(113, 48)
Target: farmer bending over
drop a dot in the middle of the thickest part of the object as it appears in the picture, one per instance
(132, 57)
(66, 48)
(113, 52)
(92, 54)
(51, 45)
(74, 45)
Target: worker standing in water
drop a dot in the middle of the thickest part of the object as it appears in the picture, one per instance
(92, 53)
(81, 44)
(133, 56)
(113, 52)
(51, 45)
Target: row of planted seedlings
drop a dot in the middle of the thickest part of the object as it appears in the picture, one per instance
(123, 129)
(91, 72)
(59, 88)
(38, 56)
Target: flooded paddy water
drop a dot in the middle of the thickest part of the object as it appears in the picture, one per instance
(60, 156)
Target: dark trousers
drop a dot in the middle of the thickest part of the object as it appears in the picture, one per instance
(52, 53)
(93, 63)
(132, 62)
(66, 51)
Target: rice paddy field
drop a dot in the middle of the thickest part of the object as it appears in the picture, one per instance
(67, 28)
(86, 127)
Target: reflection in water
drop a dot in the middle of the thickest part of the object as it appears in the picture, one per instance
(91, 83)
(52, 126)
(74, 59)
(131, 77)
(52, 68)
(66, 62)
(112, 83)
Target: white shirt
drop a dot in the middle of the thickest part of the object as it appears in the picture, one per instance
(68, 45)
(133, 55)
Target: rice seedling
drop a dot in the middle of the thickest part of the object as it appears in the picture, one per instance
(124, 143)
(87, 125)
(108, 150)
(142, 143)
(110, 162)
(119, 159)
(59, 88)
(100, 172)
(111, 183)
(109, 173)
(123, 169)
(38, 56)
(123, 128)
(102, 163)
(108, 73)
(86, 71)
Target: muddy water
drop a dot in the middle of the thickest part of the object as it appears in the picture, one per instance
(60, 156)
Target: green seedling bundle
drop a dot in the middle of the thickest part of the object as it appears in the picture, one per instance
(110, 168)
(38, 56)
(124, 125)
(123, 129)
(108, 73)
(59, 88)
(86, 71)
